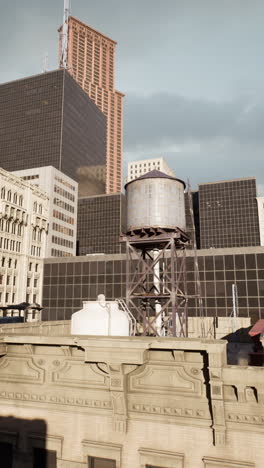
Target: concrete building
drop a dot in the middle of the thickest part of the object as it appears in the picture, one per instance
(62, 213)
(91, 61)
(228, 214)
(138, 168)
(260, 201)
(123, 402)
(69, 281)
(101, 219)
(23, 235)
(48, 120)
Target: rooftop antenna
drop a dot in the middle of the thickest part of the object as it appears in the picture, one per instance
(64, 38)
(45, 66)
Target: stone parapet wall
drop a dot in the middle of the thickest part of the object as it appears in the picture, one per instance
(140, 401)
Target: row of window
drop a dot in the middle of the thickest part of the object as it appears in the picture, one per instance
(10, 244)
(60, 253)
(11, 197)
(35, 282)
(63, 205)
(36, 235)
(37, 208)
(64, 182)
(13, 228)
(63, 242)
(35, 251)
(8, 281)
(9, 262)
(7, 298)
(30, 177)
(62, 229)
(64, 193)
(63, 217)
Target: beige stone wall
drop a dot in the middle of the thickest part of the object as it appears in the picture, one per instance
(159, 401)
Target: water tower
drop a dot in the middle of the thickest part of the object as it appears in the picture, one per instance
(155, 254)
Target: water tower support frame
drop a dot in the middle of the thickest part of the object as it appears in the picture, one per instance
(156, 275)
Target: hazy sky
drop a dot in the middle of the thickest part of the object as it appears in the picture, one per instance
(192, 72)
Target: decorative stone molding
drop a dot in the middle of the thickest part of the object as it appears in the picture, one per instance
(102, 450)
(80, 374)
(56, 399)
(224, 463)
(20, 369)
(160, 458)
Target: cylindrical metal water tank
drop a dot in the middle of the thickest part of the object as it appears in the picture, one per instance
(100, 318)
(155, 200)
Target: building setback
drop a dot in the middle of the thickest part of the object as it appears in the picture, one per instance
(47, 120)
(91, 63)
(229, 214)
(101, 219)
(69, 281)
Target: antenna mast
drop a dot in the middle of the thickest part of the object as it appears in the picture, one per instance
(45, 62)
(64, 36)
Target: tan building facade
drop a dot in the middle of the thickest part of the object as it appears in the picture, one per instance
(23, 238)
(126, 402)
(91, 57)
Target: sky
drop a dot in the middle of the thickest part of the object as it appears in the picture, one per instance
(192, 72)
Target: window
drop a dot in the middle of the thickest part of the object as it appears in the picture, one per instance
(102, 455)
(3, 261)
(28, 282)
(9, 262)
(94, 462)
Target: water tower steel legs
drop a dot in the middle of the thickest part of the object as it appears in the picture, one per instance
(156, 282)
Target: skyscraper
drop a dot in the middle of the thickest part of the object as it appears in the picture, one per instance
(48, 120)
(91, 62)
(229, 214)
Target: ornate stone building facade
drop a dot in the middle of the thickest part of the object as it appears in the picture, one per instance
(23, 234)
(126, 402)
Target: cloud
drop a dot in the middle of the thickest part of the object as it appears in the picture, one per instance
(201, 139)
(164, 117)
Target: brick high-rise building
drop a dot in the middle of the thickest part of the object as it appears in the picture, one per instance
(91, 62)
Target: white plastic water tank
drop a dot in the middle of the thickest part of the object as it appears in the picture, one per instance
(100, 317)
